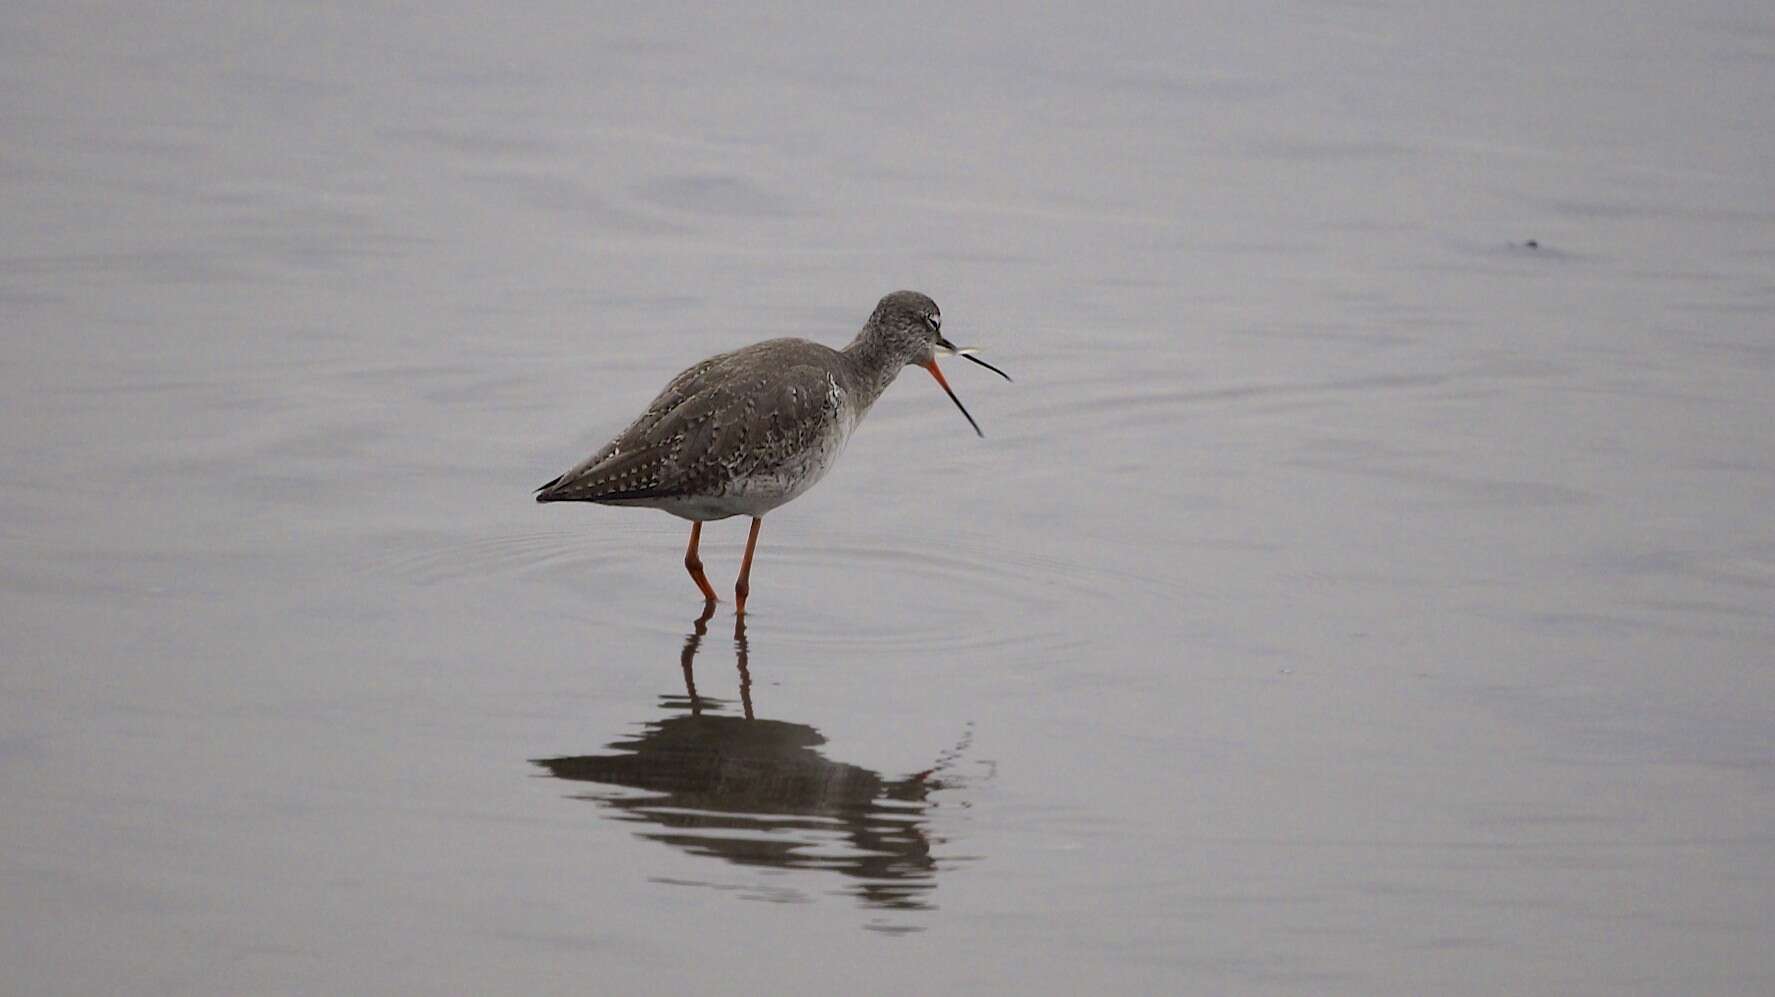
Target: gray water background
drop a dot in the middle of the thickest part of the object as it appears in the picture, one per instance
(1348, 596)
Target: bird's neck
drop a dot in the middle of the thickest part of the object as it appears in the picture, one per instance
(873, 366)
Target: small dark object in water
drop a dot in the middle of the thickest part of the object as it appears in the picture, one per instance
(1532, 244)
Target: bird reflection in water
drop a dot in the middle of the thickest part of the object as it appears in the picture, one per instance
(759, 793)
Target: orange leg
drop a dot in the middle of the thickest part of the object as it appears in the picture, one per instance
(694, 564)
(743, 586)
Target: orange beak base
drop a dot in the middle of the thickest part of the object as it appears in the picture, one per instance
(931, 365)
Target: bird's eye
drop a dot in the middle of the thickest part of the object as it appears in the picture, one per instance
(934, 321)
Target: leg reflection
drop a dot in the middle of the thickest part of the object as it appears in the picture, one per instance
(740, 652)
(693, 642)
(687, 657)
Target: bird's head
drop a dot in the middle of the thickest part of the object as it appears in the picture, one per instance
(907, 325)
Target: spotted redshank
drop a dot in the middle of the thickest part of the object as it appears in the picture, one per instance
(744, 432)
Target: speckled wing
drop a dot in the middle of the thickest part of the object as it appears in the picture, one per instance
(577, 484)
(733, 417)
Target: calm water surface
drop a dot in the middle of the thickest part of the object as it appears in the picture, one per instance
(1349, 596)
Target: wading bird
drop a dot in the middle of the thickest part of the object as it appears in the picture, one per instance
(744, 432)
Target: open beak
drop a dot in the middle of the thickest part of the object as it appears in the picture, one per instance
(949, 349)
(946, 348)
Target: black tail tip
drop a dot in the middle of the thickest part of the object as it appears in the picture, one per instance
(543, 493)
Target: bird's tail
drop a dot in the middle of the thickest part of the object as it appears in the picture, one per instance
(546, 491)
